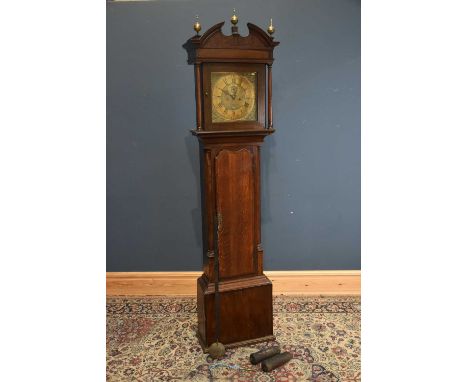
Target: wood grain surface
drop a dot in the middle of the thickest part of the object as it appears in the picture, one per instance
(185, 283)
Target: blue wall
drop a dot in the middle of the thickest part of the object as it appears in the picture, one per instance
(311, 165)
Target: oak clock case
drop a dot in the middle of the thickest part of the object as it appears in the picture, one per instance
(232, 85)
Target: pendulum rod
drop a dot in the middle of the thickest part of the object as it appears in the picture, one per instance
(217, 349)
(217, 297)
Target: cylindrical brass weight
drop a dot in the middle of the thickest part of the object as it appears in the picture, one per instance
(263, 354)
(276, 361)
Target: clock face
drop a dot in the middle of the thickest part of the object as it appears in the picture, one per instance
(233, 96)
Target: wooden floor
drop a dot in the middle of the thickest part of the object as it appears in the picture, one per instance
(284, 283)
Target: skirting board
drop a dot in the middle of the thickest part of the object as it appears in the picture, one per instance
(324, 283)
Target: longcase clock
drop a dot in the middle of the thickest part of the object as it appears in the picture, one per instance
(234, 115)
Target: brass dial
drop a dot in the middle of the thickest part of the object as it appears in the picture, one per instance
(234, 96)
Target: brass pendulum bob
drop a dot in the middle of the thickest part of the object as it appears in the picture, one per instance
(217, 350)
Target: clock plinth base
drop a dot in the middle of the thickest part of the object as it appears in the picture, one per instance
(246, 315)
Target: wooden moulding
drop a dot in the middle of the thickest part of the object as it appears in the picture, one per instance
(234, 284)
(214, 46)
(232, 133)
(312, 283)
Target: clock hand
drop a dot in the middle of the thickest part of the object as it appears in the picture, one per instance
(226, 92)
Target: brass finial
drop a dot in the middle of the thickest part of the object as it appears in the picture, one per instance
(197, 25)
(234, 18)
(271, 28)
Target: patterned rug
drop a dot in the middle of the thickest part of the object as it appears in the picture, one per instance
(153, 339)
